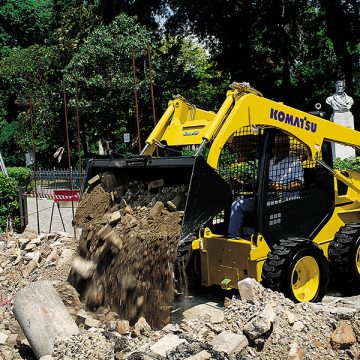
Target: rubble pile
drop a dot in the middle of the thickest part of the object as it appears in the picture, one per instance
(256, 323)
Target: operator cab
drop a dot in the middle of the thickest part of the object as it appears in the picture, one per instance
(291, 201)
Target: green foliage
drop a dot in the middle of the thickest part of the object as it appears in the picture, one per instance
(22, 175)
(347, 164)
(103, 66)
(25, 22)
(9, 204)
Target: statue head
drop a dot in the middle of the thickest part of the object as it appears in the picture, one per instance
(340, 87)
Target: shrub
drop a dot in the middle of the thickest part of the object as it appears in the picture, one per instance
(347, 164)
(21, 174)
(9, 204)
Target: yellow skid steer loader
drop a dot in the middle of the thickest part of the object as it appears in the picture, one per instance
(290, 235)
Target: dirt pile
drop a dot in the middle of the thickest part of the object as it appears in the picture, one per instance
(128, 248)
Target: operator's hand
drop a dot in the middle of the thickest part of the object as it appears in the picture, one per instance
(277, 186)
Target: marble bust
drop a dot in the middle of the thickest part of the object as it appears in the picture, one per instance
(341, 104)
(340, 101)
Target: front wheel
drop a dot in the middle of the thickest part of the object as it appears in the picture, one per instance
(297, 268)
(344, 255)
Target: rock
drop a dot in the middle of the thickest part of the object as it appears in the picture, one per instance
(30, 247)
(104, 231)
(129, 220)
(290, 317)
(46, 357)
(42, 317)
(91, 323)
(81, 316)
(65, 257)
(298, 326)
(343, 337)
(84, 268)
(171, 206)
(3, 338)
(123, 327)
(295, 352)
(23, 243)
(246, 289)
(31, 266)
(52, 257)
(229, 342)
(155, 184)
(94, 180)
(156, 209)
(166, 344)
(114, 218)
(205, 312)
(141, 327)
(11, 341)
(261, 323)
(202, 355)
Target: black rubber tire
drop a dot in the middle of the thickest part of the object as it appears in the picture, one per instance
(280, 262)
(342, 255)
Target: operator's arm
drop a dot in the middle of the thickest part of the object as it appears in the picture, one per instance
(292, 177)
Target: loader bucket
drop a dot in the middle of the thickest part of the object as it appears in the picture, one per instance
(207, 193)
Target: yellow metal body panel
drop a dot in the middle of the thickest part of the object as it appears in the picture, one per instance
(224, 259)
(258, 112)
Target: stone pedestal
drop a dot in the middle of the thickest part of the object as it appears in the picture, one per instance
(345, 119)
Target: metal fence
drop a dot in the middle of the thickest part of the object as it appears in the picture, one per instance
(48, 180)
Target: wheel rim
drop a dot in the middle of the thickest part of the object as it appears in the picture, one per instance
(305, 279)
(358, 259)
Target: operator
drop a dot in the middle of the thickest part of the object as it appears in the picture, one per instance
(286, 174)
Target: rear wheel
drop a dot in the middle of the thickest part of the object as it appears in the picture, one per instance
(344, 256)
(297, 268)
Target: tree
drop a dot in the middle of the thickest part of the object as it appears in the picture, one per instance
(103, 66)
(25, 22)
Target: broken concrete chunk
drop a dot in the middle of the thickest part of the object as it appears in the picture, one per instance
(155, 184)
(141, 327)
(229, 342)
(3, 338)
(81, 316)
(246, 289)
(123, 327)
(84, 268)
(295, 352)
(343, 337)
(65, 257)
(43, 317)
(171, 206)
(261, 323)
(114, 218)
(91, 322)
(166, 344)
(156, 209)
(93, 181)
(202, 355)
(113, 238)
(104, 231)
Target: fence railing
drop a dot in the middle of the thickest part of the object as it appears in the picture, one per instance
(48, 180)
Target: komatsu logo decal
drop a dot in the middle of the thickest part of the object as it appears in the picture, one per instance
(301, 123)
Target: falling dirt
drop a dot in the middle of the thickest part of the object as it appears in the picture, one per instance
(131, 242)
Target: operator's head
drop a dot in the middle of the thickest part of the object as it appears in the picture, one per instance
(340, 87)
